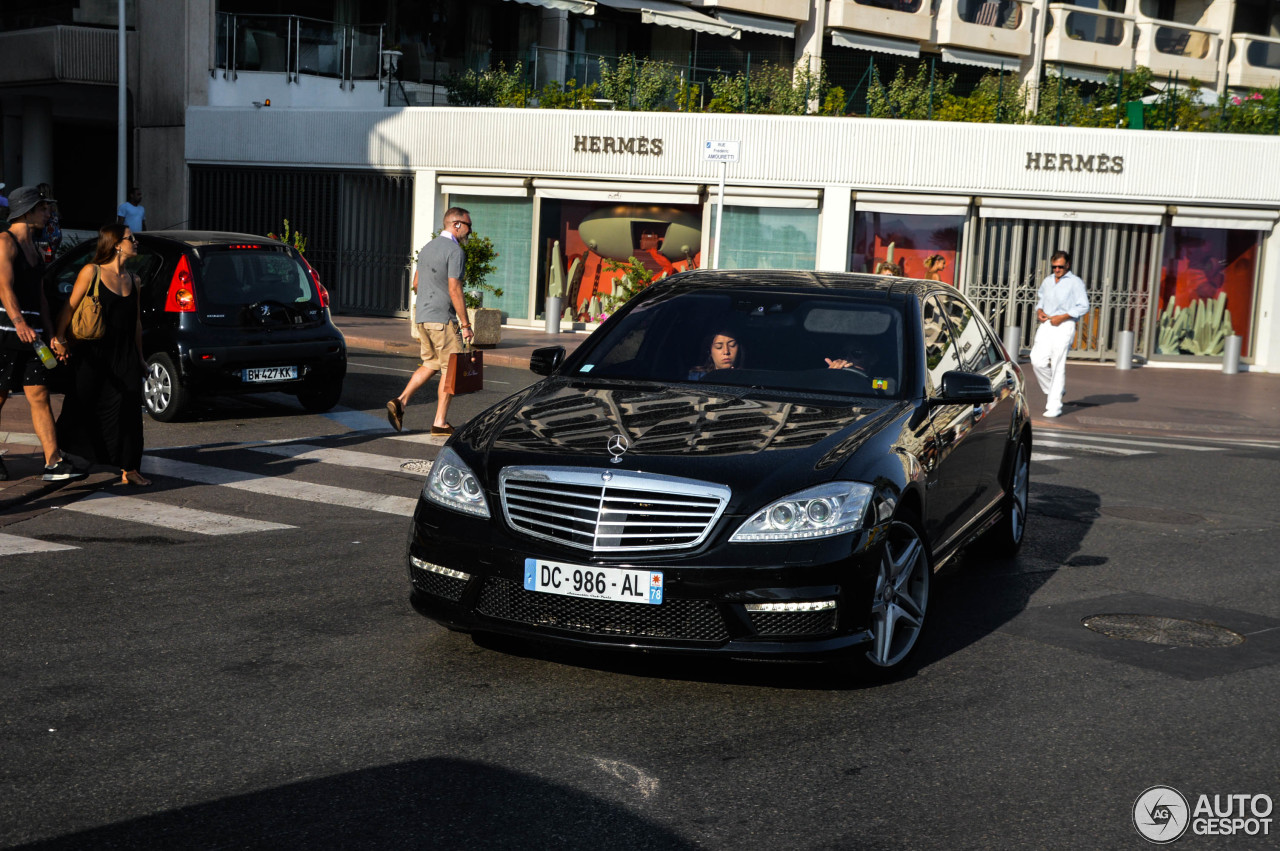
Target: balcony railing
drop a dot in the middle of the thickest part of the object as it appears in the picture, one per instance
(294, 45)
(1254, 61)
(1090, 37)
(1170, 47)
(1001, 27)
(906, 20)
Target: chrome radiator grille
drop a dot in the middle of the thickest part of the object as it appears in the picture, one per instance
(610, 511)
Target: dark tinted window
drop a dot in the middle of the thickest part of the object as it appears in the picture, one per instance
(245, 276)
(782, 341)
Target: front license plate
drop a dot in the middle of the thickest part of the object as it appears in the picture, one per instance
(594, 583)
(255, 374)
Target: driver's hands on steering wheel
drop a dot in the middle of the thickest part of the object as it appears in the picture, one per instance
(841, 363)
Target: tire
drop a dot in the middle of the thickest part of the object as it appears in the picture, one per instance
(1005, 538)
(163, 392)
(900, 604)
(323, 399)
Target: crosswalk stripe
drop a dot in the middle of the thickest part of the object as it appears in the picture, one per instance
(177, 517)
(12, 545)
(1092, 438)
(358, 420)
(281, 487)
(1044, 456)
(1086, 447)
(422, 437)
(343, 457)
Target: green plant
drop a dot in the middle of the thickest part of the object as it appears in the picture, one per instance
(643, 85)
(775, 90)
(567, 95)
(917, 97)
(491, 87)
(294, 238)
(635, 277)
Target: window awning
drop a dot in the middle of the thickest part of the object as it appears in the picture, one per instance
(879, 44)
(578, 7)
(980, 59)
(620, 192)
(668, 14)
(757, 24)
(1070, 211)
(903, 203)
(1086, 75)
(1227, 218)
(767, 196)
(482, 184)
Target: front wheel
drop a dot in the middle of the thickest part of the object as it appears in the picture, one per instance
(162, 390)
(901, 598)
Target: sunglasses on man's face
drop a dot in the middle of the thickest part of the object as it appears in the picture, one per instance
(1059, 267)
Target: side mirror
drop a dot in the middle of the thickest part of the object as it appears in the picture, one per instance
(966, 388)
(546, 360)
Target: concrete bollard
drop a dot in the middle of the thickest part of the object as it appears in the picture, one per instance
(1231, 355)
(554, 310)
(1124, 356)
(1013, 341)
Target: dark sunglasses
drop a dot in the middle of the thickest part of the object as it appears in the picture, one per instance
(1058, 267)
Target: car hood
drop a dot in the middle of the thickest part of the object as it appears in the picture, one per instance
(735, 438)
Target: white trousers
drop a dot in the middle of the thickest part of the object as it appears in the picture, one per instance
(1049, 360)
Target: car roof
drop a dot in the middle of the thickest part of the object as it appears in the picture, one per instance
(208, 237)
(885, 285)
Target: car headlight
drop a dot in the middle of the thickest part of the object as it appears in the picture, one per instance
(453, 485)
(819, 512)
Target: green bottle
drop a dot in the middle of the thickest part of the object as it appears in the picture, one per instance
(46, 354)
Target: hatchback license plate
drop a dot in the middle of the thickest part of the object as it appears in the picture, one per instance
(256, 374)
(617, 584)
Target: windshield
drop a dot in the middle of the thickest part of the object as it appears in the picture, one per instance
(240, 277)
(811, 342)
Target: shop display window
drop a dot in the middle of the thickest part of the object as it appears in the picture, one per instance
(1207, 280)
(508, 223)
(587, 238)
(916, 246)
(768, 238)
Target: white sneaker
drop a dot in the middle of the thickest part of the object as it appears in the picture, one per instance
(1052, 414)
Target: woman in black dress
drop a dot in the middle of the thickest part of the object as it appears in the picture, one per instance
(101, 417)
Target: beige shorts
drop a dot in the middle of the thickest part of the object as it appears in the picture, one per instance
(438, 340)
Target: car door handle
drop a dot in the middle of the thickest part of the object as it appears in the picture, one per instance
(1009, 381)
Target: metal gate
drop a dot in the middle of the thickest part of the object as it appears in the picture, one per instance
(358, 225)
(1117, 262)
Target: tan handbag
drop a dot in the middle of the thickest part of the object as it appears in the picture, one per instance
(88, 323)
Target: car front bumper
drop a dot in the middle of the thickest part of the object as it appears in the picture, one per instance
(468, 574)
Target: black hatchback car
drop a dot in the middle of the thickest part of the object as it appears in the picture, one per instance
(792, 501)
(225, 314)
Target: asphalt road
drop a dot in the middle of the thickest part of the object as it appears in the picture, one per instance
(269, 685)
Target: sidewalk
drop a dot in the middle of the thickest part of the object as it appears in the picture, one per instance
(1146, 401)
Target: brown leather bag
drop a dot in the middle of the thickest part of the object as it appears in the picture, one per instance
(88, 323)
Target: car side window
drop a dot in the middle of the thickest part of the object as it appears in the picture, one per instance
(65, 280)
(145, 265)
(940, 351)
(973, 343)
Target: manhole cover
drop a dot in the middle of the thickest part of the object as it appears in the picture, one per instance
(416, 466)
(1156, 629)
(1152, 515)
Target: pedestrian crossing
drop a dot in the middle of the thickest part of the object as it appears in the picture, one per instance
(287, 464)
(1075, 444)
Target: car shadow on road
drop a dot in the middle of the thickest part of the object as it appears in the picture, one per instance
(1098, 400)
(985, 593)
(428, 803)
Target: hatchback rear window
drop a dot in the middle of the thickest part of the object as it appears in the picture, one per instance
(240, 277)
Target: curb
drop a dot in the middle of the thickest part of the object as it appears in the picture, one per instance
(492, 357)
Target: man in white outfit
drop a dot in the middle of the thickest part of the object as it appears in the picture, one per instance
(1061, 301)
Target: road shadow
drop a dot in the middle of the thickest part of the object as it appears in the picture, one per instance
(430, 803)
(1098, 400)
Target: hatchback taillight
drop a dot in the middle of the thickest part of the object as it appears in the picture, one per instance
(315, 278)
(182, 293)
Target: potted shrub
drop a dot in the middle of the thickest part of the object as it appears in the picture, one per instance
(486, 323)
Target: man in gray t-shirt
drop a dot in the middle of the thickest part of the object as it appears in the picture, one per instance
(438, 305)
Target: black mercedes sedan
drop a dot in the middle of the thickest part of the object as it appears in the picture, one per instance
(224, 314)
(756, 464)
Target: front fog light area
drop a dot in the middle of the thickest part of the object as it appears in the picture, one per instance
(807, 606)
(438, 568)
(453, 485)
(830, 509)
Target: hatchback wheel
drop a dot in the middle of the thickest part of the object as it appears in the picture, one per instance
(901, 597)
(162, 389)
(1005, 538)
